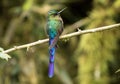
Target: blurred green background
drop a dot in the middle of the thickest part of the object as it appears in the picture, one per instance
(86, 59)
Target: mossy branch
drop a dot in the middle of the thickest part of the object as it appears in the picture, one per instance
(79, 32)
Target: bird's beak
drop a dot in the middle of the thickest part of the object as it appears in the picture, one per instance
(61, 10)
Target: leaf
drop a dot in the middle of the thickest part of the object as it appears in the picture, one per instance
(4, 56)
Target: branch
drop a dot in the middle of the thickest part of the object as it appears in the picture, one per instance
(79, 32)
(75, 25)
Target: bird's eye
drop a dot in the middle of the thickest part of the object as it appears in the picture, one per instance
(55, 14)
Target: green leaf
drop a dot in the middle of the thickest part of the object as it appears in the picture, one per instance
(4, 56)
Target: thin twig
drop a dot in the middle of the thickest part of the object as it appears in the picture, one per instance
(64, 36)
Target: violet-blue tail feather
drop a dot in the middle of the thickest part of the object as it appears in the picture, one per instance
(51, 59)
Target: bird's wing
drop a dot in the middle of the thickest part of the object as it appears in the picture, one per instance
(59, 31)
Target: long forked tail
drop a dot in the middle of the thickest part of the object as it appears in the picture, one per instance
(51, 59)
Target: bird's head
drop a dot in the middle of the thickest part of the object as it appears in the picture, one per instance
(54, 13)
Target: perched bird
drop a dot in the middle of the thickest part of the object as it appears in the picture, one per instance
(54, 29)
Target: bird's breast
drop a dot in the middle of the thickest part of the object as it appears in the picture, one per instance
(52, 29)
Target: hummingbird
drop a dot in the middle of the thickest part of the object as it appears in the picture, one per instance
(54, 29)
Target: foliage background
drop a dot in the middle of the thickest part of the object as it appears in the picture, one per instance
(86, 59)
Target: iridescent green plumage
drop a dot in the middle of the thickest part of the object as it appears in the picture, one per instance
(54, 30)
